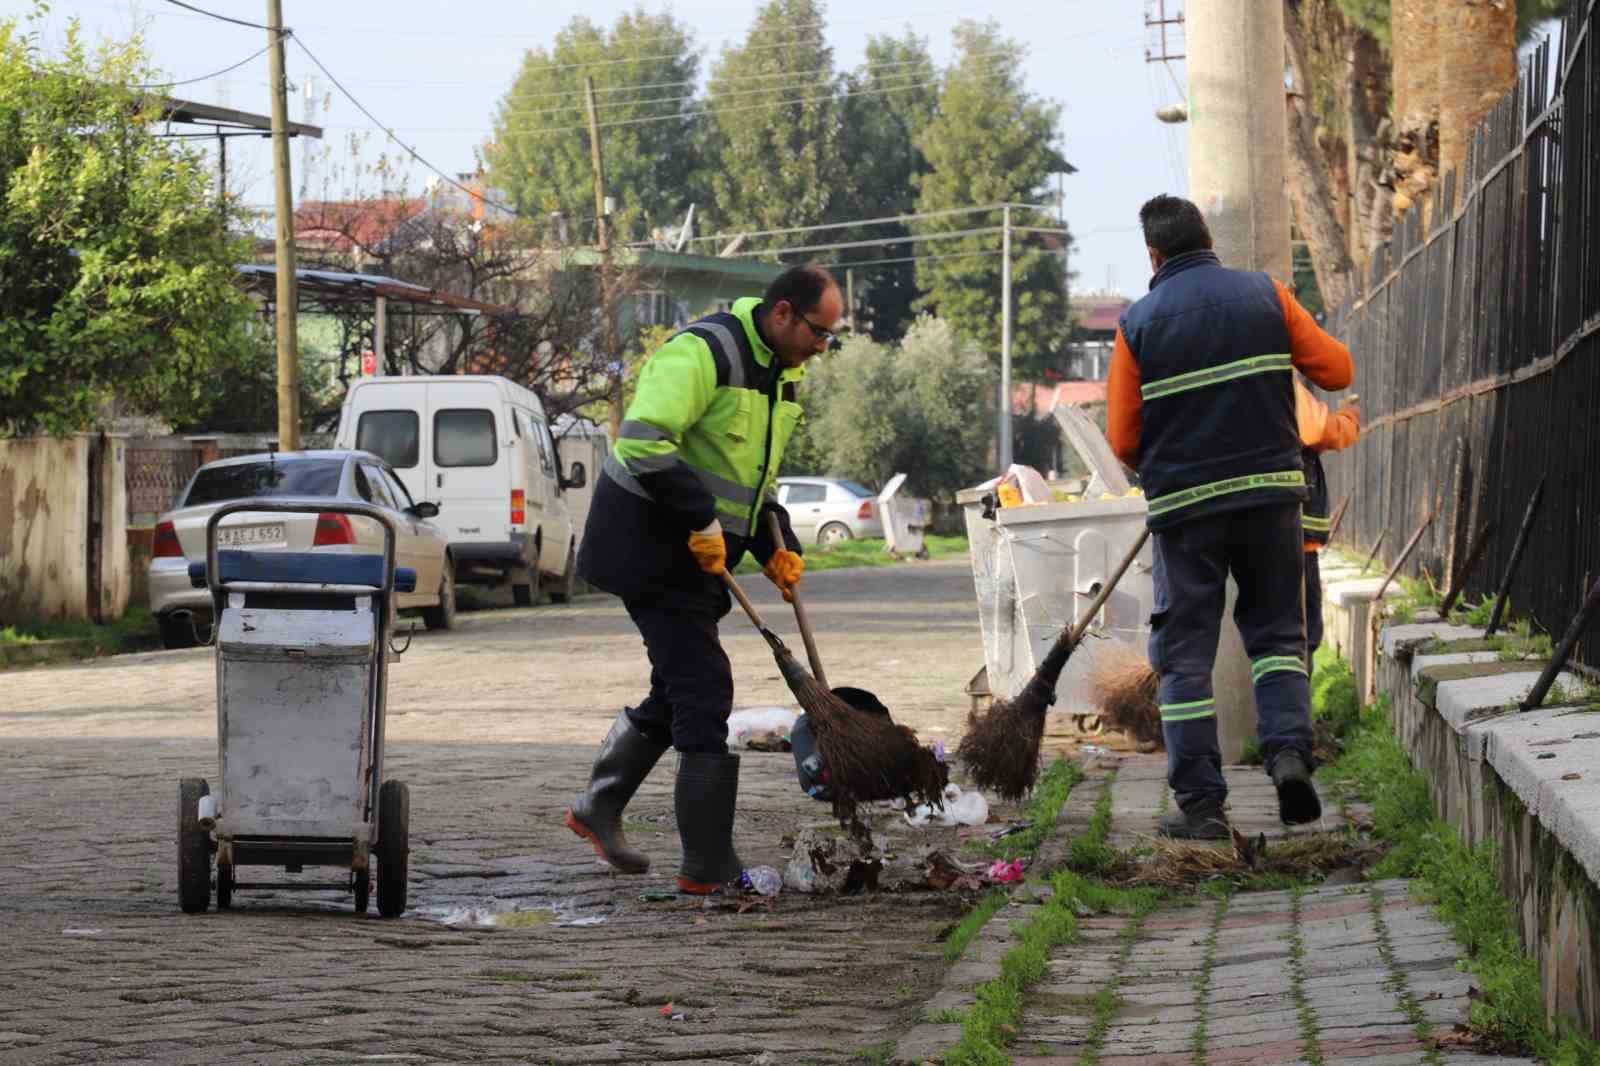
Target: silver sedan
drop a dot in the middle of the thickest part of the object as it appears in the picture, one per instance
(826, 510)
(181, 533)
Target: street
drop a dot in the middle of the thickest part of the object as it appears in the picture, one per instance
(493, 726)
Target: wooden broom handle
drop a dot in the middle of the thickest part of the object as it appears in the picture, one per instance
(776, 529)
(1070, 638)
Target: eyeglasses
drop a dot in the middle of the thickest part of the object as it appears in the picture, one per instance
(827, 335)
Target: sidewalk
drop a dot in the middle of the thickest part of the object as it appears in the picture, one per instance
(1355, 973)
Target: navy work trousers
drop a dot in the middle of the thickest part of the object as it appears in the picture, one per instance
(1313, 606)
(691, 681)
(1263, 548)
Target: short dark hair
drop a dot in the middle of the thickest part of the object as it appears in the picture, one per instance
(803, 286)
(1173, 226)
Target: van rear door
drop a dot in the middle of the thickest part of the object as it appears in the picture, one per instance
(388, 419)
(469, 461)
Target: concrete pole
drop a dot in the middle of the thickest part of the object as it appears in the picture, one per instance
(1238, 130)
(1238, 175)
(1005, 339)
(287, 304)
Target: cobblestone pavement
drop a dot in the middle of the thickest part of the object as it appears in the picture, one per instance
(1341, 975)
(493, 727)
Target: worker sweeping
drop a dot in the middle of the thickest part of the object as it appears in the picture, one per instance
(1321, 431)
(1200, 398)
(683, 496)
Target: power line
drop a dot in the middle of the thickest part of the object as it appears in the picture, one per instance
(917, 217)
(219, 18)
(909, 259)
(914, 238)
(409, 150)
(208, 77)
(680, 99)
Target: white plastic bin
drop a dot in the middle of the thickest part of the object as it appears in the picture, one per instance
(905, 519)
(1036, 568)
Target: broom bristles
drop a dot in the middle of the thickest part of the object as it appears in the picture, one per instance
(868, 756)
(1123, 688)
(1001, 746)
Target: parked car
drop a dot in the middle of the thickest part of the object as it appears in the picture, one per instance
(181, 533)
(825, 510)
(480, 446)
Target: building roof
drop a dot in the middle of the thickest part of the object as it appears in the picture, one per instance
(191, 113)
(351, 225)
(321, 290)
(1099, 314)
(1042, 399)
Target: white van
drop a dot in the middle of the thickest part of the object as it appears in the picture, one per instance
(480, 447)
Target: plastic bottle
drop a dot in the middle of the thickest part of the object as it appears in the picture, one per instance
(762, 880)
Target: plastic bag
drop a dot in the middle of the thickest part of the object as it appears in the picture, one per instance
(759, 721)
(762, 880)
(960, 808)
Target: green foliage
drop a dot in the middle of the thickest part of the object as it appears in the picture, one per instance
(1463, 885)
(993, 142)
(540, 154)
(1334, 701)
(1044, 807)
(774, 157)
(917, 407)
(134, 631)
(1475, 615)
(1090, 853)
(117, 276)
(894, 95)
(867, 551)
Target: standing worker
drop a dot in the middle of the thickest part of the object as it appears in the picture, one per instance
(682, 496)
(1321, 431)
(1200, 398)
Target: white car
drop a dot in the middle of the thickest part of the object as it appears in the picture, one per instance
(350, 475)
(826, 510)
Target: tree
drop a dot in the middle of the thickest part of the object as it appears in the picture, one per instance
(645, 76)
(992, 142)
(890, 101)
(773, 133)
(920, 406)
(117, 267)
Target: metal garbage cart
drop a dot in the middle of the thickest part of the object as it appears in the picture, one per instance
(302, 652)
(905, 519)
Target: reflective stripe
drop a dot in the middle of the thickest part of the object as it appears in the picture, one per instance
(730, 350)
(1276, 664)
(737, 524)
(1285, 479)
(1215, 375)
(632, 430)
(1316, 525)
(1188, 712)
(619, 473)
(722, 488)
(651, 464)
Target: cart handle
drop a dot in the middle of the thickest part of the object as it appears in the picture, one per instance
(300, 505)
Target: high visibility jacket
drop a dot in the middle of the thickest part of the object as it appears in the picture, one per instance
(703, 438)
(1199, 397)
(1321, 431)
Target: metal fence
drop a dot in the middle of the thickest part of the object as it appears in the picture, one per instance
(157, 468)
(1477, 349)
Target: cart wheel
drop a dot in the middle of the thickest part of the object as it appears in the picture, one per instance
(363, 890)
(194, 848)
(394, 818)
(224, 885)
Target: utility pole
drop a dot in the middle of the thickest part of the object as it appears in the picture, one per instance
(286, 304)
(1005, 339)
(602, 221)
(1238, 138)
(1238, 176)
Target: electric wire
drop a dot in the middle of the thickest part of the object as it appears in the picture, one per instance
(208, 77)
(219, 18)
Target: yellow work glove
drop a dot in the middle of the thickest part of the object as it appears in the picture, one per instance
(709, 549)
(784, 570)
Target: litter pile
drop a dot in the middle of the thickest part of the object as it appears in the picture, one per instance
(1163, 863)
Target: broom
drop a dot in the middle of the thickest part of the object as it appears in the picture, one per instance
(1001, 745)
(1123, 687)
(867, 755)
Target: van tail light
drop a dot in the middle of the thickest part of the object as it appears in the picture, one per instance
(519, 507)
(333, 529)
(866, 511)
(166, 542)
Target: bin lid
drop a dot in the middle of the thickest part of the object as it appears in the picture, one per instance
(891, 488)
(1092, 448)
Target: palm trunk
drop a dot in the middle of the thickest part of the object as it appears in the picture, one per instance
(1478, 65)
(1415, 31)
(1311, 181)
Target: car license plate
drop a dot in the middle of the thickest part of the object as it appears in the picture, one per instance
(248, 536)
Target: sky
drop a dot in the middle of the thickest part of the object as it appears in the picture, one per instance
(434, 72)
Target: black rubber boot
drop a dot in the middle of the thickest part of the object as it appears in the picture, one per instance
(626, 758)
(1297, 796)
(1204, 820)
(707, 789)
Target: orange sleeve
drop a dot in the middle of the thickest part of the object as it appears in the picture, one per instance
(1310, 415)
(1314, 353)
(1124, 404)
(1341, 431)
